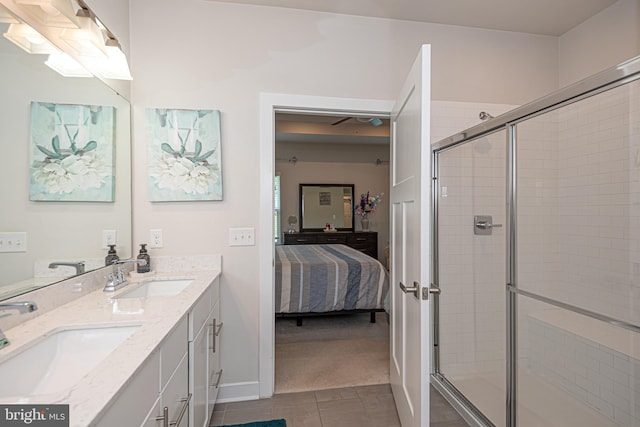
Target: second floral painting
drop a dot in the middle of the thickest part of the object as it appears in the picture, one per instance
(184, 160)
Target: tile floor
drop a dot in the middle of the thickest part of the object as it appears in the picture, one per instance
(366, 406)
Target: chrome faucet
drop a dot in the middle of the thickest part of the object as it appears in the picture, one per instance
(22, 307)
(79, 265)
(118, 278)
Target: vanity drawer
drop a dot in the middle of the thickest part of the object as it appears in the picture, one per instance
(300, 239)
(199, 313)
(332, 238)
(173, 349)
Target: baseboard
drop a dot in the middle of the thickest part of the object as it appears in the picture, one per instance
(236, 392)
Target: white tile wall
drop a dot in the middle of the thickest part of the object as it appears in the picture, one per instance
(605, 379)
(472, 268)
(578, 241)
(578, 203)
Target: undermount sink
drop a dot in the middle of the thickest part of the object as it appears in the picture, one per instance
(157, 288)
(59, 360)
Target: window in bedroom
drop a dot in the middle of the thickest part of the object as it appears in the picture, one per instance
(276, 209)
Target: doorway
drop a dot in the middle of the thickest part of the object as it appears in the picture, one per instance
(329, 350)
(271, 104)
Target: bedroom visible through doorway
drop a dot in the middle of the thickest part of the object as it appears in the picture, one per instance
(331, 350)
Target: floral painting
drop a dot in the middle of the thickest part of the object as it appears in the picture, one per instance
(184, 155)
(71, 152)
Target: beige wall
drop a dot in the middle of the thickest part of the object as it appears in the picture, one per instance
(195, 54)
(605, 40)
(199, 54)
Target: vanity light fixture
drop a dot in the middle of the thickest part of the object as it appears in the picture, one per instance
(113, 66)
(67, 66)
(51, 13)
(84, 39)
(6, 16)
(29, 39)
(88, 40)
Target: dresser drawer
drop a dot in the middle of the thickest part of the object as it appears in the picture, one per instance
(332, 238)
(362, 238)
(364, 242)
(299, 239)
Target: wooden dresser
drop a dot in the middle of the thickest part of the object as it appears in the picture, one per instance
(366, 242)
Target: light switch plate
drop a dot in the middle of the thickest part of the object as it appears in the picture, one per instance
(13, 241)
(242, 236)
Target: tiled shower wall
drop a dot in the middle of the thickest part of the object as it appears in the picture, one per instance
(578, 223)
(579, 204)
(579, 243)
(471, 270)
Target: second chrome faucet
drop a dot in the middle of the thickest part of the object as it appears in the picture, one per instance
(22, 307)
(118, 278)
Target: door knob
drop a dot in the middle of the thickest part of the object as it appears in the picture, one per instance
(415, 289)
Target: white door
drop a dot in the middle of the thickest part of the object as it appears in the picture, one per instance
(410, 221)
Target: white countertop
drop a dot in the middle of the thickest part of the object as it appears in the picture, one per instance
(157, 317)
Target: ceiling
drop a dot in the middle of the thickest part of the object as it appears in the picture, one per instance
(545, 17)
(330, 129)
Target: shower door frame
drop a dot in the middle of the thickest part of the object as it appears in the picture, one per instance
(611, 78)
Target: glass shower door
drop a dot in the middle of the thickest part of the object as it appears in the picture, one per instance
(471, 272)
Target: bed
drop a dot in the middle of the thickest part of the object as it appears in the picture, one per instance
(315, 279)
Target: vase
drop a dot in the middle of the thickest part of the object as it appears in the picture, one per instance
(365, 223)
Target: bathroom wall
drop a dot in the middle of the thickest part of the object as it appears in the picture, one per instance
(608, 38)
(198, 54)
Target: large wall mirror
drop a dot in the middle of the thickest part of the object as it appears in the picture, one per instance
(322, 204)
(56, 230)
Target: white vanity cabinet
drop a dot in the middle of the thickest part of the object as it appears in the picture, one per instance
(177, 384)
(171, 407)
(204, 361)
(161, 382)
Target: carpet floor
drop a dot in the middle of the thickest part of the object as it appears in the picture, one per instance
(331, 352)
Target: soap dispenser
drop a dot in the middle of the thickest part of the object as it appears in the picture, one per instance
(111, 255)
(145, 256)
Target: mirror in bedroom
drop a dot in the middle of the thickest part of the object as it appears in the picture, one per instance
(322, 204)
(57, 230)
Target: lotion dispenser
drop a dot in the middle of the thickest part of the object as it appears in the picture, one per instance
(145, 256)
(111, 255)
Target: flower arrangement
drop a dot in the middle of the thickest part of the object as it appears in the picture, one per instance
(367, 204)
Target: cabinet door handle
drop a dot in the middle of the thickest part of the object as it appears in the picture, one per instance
(165, 417)
(219, 373)
(182, 411)
(215, 332)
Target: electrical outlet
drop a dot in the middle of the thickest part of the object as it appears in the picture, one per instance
(13, 241)
(108, 238)
(155, 238)
(242, 236)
